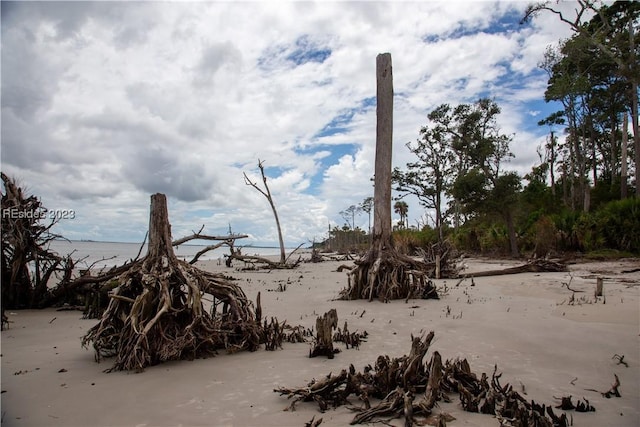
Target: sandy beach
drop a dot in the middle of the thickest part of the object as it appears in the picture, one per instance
(544, 343)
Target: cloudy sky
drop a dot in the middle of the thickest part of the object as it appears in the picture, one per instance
(106, 103)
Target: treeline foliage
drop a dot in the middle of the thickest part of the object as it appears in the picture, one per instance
(580, 197)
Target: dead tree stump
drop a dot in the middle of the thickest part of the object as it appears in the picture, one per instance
(156, 313)
(323, 345)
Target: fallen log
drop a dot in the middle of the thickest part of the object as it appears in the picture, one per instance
(536, 266)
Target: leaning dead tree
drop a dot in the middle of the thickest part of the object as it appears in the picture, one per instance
(158, 313)
(383, 272)
(27, 262)
(267, 193)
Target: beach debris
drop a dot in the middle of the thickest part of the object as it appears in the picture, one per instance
(567, 405)
(406, 387)
(438, 259)
(613, 391)
(352, 339)
(156, 311)
(539, 265)
(323, 341)
(313, 422)
(620, 359)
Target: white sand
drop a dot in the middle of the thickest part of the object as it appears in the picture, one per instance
(523, 323)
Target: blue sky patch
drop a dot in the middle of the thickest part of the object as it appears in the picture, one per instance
(306, 50)
(340, 123)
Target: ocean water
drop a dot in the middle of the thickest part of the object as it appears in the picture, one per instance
(106, 254)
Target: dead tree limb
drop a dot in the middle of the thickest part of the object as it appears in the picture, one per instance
(267, 193)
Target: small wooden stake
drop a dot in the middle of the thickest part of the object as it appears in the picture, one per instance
(599, 284)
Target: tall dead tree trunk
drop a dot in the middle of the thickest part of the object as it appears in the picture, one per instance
(624, 157)
(156, 313)
(383, 273)
(384, 148)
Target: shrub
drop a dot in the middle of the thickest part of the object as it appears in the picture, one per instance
(618, 225)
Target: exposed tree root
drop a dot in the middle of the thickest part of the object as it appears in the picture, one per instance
(388, 275)
(406, 387)
(157, 312)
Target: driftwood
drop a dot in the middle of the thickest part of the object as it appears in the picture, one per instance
(352, 339)
(156, 313)
(323, 345)
(535, 266)
(406, 387)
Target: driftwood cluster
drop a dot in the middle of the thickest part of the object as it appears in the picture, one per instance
(407, 387)
(275, 333)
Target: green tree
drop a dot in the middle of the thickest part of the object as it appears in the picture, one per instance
(430, 177)
(480, 186)
(612, 32)
(367, 206)
(402, 209)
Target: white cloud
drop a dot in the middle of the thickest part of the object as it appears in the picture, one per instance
(105, 103)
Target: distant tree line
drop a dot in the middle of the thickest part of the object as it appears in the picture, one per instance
(584, 193)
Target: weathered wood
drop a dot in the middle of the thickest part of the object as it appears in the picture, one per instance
(325, 325)
(384, 149)
(383, 273)
(156, 312)
(535, 266)
(599, 285)
(27, 263)
(396, 382)
(267, 193)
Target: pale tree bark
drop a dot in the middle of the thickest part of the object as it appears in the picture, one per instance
(156, 312)
(623, 157)
(384, 147)
(267, 193)
(383, 273)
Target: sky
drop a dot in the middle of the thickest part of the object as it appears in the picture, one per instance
(106, 103)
